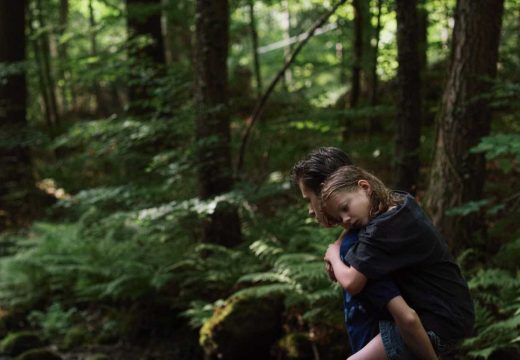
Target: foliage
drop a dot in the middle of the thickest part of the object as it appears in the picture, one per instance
(55, 321)
(119, 249)
(497, 303)
(505, 148)
(18, 342)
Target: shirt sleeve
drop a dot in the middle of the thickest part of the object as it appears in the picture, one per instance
(379, 292)
(375, 256)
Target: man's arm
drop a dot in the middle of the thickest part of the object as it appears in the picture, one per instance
(411, 329)
(349, 278)
(328, 266)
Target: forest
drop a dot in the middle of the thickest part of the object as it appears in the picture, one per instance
(146, 146)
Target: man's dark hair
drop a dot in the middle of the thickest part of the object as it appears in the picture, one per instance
(317, 166)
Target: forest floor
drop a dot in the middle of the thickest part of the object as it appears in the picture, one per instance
(162, 351)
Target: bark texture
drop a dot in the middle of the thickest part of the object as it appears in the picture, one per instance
(457, 176)
(212, 119)
(144, 19)
(409, 105)
(16, 180)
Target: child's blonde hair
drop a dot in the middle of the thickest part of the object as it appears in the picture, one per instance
(346, 178)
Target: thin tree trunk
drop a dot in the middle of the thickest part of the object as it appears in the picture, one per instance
(254, 45)
(150, 58)
(17, 188)
(101, 106)
(367, 54)
(341, 54)
(409, 108)
(212, 122)
(62, 53)
(47, 68)
(422, 21)
(170, 45)
(35, 43)
(355, 88)
(457, 176)
(374, 121)
(287, 77)
(357, 55)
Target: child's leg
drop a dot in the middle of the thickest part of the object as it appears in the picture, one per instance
(374, 350)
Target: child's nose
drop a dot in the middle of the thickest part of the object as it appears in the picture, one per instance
(345, 219)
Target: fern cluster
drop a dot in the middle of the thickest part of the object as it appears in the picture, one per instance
(497, 304)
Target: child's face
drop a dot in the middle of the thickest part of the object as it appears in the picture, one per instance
(349, 209)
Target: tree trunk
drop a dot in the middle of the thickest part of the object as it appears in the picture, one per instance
(148, 58)
(171, 56)
(457, 176)
(287, 76)
(212, 119)
(341, 53)
(254, 45)
(357, 55)
(355, 87)
(47, 68)
(101, 105)
(35, 44)
(409, 106)
(16, 178)
(62, 53)
(367, 56)
(374, 124)
(422, 21)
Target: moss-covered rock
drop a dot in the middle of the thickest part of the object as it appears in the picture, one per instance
(74, 337)
(9, 321)
(19, 342)
(39, 354)
(295, 346)
(97, 357)
(243, 326)
(324, 341)
(4, 316)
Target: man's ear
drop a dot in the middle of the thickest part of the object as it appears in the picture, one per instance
(365, 185)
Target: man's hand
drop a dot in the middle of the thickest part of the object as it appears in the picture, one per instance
(332, 252)
(348, 277)
(330, 271)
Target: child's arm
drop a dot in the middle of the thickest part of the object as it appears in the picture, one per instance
(411, 329)
(349, 278)
(406, 318)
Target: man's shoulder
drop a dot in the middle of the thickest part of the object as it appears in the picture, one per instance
(401, 217)
(350, 238)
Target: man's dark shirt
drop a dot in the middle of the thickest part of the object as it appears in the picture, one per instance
(404, 243)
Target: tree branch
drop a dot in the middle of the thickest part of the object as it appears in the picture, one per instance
(257, 112)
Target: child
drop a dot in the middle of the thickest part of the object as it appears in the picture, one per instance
(364, 311)
(397, 238)
(377, 300)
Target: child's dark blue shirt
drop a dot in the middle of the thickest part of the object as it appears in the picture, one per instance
(364, 310)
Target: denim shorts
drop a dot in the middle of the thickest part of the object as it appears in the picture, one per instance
(395, 347)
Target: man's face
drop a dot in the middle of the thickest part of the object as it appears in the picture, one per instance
(313, 202)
